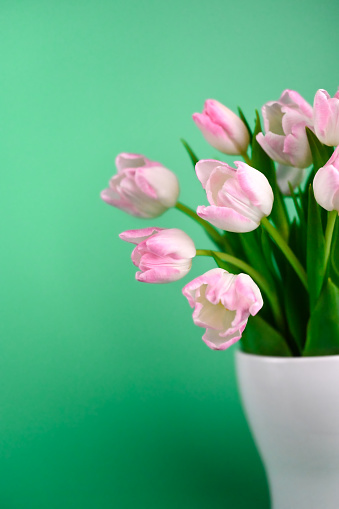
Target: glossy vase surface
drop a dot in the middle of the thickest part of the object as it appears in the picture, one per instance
(292, 406)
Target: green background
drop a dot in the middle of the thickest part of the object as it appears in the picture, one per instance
(109, 398)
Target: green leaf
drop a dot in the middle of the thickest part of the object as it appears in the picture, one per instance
(334, 257)
(323, 327)
(243, 118)
(262, 162)
(190, 152)
(225, 265)
(261, 339)
(320, 153)
(296, 300)
(315, 249)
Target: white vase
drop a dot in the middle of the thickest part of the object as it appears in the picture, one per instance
(292, 406)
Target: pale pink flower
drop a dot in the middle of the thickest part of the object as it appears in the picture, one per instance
(239, 198)
(141, 187)
(222, 128)
(162, 255)
(326, 117)
(289, 174)
(222, 303)
(285, 120)
(326, 183)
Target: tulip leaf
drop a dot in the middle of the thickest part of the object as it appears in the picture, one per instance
(320, 153)
(260, 338)
(262, 162)
(323, 327)
(190, 152)
(296, 300)
(334, 256)
(315, 249)
(243, 118)
(225, 265)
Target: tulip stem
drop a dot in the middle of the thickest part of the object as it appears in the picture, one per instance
(286, 250)
(258, 278)
(218, 239)
(246, 158)
(332, 216)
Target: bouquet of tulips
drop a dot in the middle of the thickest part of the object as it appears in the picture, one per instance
(272, 220)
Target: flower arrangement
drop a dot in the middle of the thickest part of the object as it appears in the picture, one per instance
(262, 246)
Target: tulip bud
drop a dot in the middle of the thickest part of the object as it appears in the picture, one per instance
(222, 303)
(289, 174)
(285, 120)
(222, 128)
(239, 198)
(141, 187)
(326, 183)
(162, 255)
(326, 117)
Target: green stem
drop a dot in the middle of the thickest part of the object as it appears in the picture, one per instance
(246, 158)
(217, 238)
(286, 250)
(332, 216)
(258, 278)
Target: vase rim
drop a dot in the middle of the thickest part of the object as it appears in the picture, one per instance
(287, 360)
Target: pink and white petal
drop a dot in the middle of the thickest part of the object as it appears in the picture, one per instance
(128, 160)
(297, 148)
(256, 186)
(159, 275)
(325, 186)
(216, 182)
(214, 134)
(204, 169)
(273, 145)
(321, 113)
(226, 219)
(172, 242)
(289, 174)
(165, 184)
(192, 290)
(216, 342)
(137, 236)
(293, 98)
(272, 116)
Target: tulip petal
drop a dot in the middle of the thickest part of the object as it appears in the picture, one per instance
(137, 236)
(226, 219)
(204, 169)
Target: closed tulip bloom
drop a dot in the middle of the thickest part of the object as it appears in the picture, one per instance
(326, 183)
(222, 303)
(222, 128)
(162, 255)
(239, 198)
(289, 174)
(141, 187)
(285, 120)
(326, 117)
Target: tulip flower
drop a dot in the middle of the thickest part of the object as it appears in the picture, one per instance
(222, 128)
(239, 198)
(326, 117)
(141, 187)
(285, 120)
(222, 303)
(162, 255)
(326, 183)
(289, 174)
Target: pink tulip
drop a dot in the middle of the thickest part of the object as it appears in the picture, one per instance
(326, 183)
(239, 198)
(289, 174)
(222, 303)
(285, 120)
(162, 255)
(141, 187)
(222, 128)
(326, 117)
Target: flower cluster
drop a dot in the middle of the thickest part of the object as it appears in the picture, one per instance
(243, 199)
